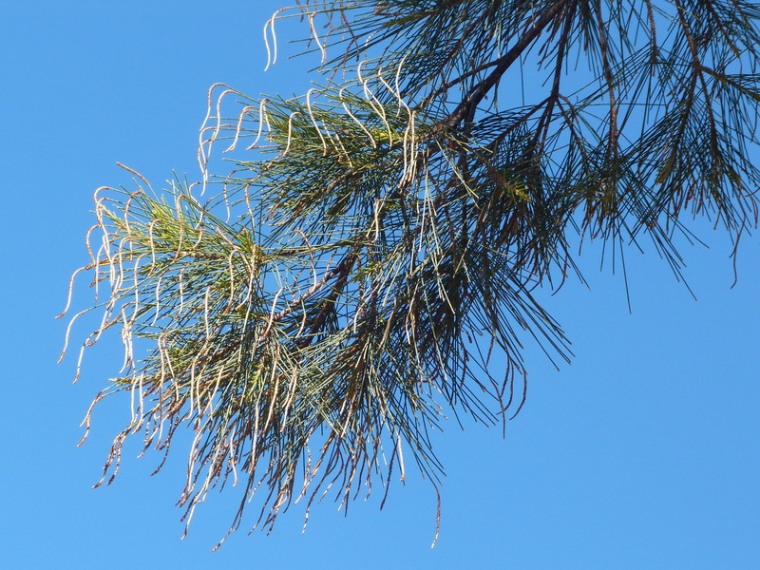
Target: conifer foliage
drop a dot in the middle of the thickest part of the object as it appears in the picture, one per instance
(368, 264)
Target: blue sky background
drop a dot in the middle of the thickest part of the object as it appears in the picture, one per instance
(644, 453)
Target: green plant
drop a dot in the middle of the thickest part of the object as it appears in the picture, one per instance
(314, 311)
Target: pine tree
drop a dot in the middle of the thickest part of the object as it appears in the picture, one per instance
(369, 263)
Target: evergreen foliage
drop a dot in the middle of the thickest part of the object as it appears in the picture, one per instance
(368, 264)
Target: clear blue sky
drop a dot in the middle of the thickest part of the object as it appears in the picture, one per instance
(644, 453)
